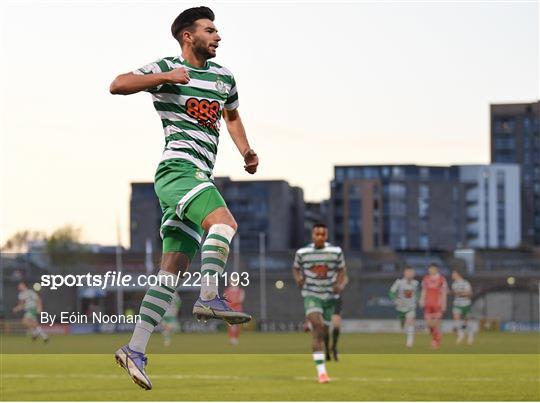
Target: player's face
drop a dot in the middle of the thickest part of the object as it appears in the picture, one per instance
(205, 39)
(455, 275)
(21, 287)
(433, 270)
(319, 235)
(409, 274)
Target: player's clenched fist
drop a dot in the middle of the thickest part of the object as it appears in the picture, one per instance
(178, 76)
(251, 160)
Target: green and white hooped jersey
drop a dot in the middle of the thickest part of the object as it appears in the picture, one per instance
(190, 113)
(460, 286)
(405, 293)
(30, 299)
(320, 268)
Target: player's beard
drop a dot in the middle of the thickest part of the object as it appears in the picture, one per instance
(201, 50)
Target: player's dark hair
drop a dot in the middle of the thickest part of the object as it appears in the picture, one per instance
(187, 18)
(408, 267)
(319, 225)
(433, 264)
(458, 271)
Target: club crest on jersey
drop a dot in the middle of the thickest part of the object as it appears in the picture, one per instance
(221, 86)
(200, 175)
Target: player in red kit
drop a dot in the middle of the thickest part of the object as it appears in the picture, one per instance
(433, 300)
(235, 295)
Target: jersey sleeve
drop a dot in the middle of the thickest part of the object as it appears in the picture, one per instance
(159, 66)
(232, 99)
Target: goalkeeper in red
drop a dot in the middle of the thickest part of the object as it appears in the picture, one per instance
(190, 94)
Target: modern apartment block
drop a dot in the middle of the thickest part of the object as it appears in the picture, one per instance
(422, 207)
(515, 138)
(493, 211)
(270, 206)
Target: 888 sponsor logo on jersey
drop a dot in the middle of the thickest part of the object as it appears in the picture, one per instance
(206, 112)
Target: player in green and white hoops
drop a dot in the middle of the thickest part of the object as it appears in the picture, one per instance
(404, 294)
(190, 94)
(319, 269)
(170, 323)
(461, 307)
(30, 303)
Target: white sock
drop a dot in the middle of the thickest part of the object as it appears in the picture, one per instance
(215, 251)
(470, 332)
(153, 306)
(318, 357)
(459, 326)
(410, 335)
(167, 336)
(41, 333)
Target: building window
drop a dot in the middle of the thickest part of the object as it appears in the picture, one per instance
(403, 242)
(397, 208)
(397, 172)
(501, 216)
(423, 201)
(396, 190)
(423, 241)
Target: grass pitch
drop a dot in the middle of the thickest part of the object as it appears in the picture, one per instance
(452, 373)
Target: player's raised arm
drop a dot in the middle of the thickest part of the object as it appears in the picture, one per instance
(237, 132)
(131, 83)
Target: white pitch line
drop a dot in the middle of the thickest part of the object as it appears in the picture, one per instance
(247, 378)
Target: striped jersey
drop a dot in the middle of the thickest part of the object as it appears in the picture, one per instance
(460, 286)
(319, 267)
(190, 113)
(404, 292)
(29, 298)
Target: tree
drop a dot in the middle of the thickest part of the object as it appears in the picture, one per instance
(64, 245)
(20, 241)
